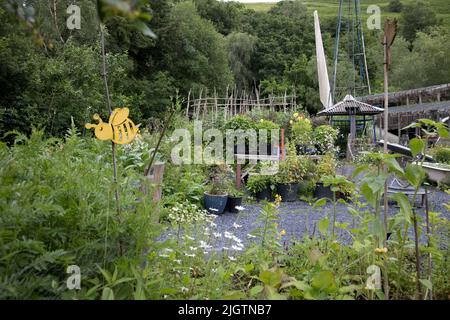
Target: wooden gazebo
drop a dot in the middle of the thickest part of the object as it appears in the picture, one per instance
(351, 107)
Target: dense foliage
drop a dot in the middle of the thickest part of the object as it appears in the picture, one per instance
(50, 73)
(61, 206)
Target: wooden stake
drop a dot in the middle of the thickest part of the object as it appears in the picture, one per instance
(108, 102)
(385, 150)
(187, 109)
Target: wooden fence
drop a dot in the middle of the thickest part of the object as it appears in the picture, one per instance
(232, 104)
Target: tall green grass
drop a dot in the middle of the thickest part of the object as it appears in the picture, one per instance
(57, 209)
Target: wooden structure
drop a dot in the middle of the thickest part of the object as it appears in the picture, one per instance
(436, 93)
(155, 177)
(351, 108)
(408, 106)
(400, 117)
(280, 155)
(234, 103)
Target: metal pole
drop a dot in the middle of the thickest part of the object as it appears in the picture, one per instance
(386, 103)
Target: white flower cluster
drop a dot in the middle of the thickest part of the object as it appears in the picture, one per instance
(237, 245)
(187, 212)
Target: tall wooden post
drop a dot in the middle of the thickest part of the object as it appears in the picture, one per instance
(390, 30)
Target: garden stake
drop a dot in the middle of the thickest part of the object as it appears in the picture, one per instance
(430, 261)
(108, 100)
(390, 31)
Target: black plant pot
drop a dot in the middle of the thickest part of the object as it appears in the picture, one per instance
(323, 192)
(232, 203)
(265, 194)
(215, 203)
(288, 191)
(305, 149)
(300, 149)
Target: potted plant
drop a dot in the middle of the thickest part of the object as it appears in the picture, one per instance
(234, 199)
(291, 171)
(326, 166)
(301, 132)
(260, 186)
(269, 126)
(216, 197)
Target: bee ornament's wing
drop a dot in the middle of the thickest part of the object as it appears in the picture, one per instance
(119, 116)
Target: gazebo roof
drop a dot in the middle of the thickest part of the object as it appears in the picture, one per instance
(351, 106)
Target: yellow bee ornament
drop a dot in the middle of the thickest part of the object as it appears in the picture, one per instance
(119, 129)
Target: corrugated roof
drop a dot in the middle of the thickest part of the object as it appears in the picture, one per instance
(400, 95)
(432, 106)
(345, 106)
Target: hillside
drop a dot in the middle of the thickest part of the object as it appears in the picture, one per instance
(329, 8)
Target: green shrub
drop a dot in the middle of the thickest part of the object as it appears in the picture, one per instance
(326, 166)
(395, 6)
(257, 183)
(324, 137)
(57, 208)
(301, 129)
(294, 169)
(240, 122)
(442, 155)
(269, 126)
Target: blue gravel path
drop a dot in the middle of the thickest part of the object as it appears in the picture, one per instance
(293, 218)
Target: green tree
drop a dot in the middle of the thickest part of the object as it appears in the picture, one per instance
(395, 6)
(416, 17)
(194, 52)
(429, 57)
(241, 47)
(226, 16)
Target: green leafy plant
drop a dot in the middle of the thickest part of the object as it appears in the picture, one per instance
(326, 166)
(240, 122)
(233, 191)
(258, 183)
(217, 179)
(441, 154)
(294, 169)
(301, 129)
(266, 125)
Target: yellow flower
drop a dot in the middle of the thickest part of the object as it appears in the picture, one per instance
(262, 120)
(381, 250)
(283, 232)
(296, 115)
(291, 122)
(277, 199)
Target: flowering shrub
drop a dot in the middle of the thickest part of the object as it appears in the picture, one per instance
(325, 137)
(301, 129)
(187, 212)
